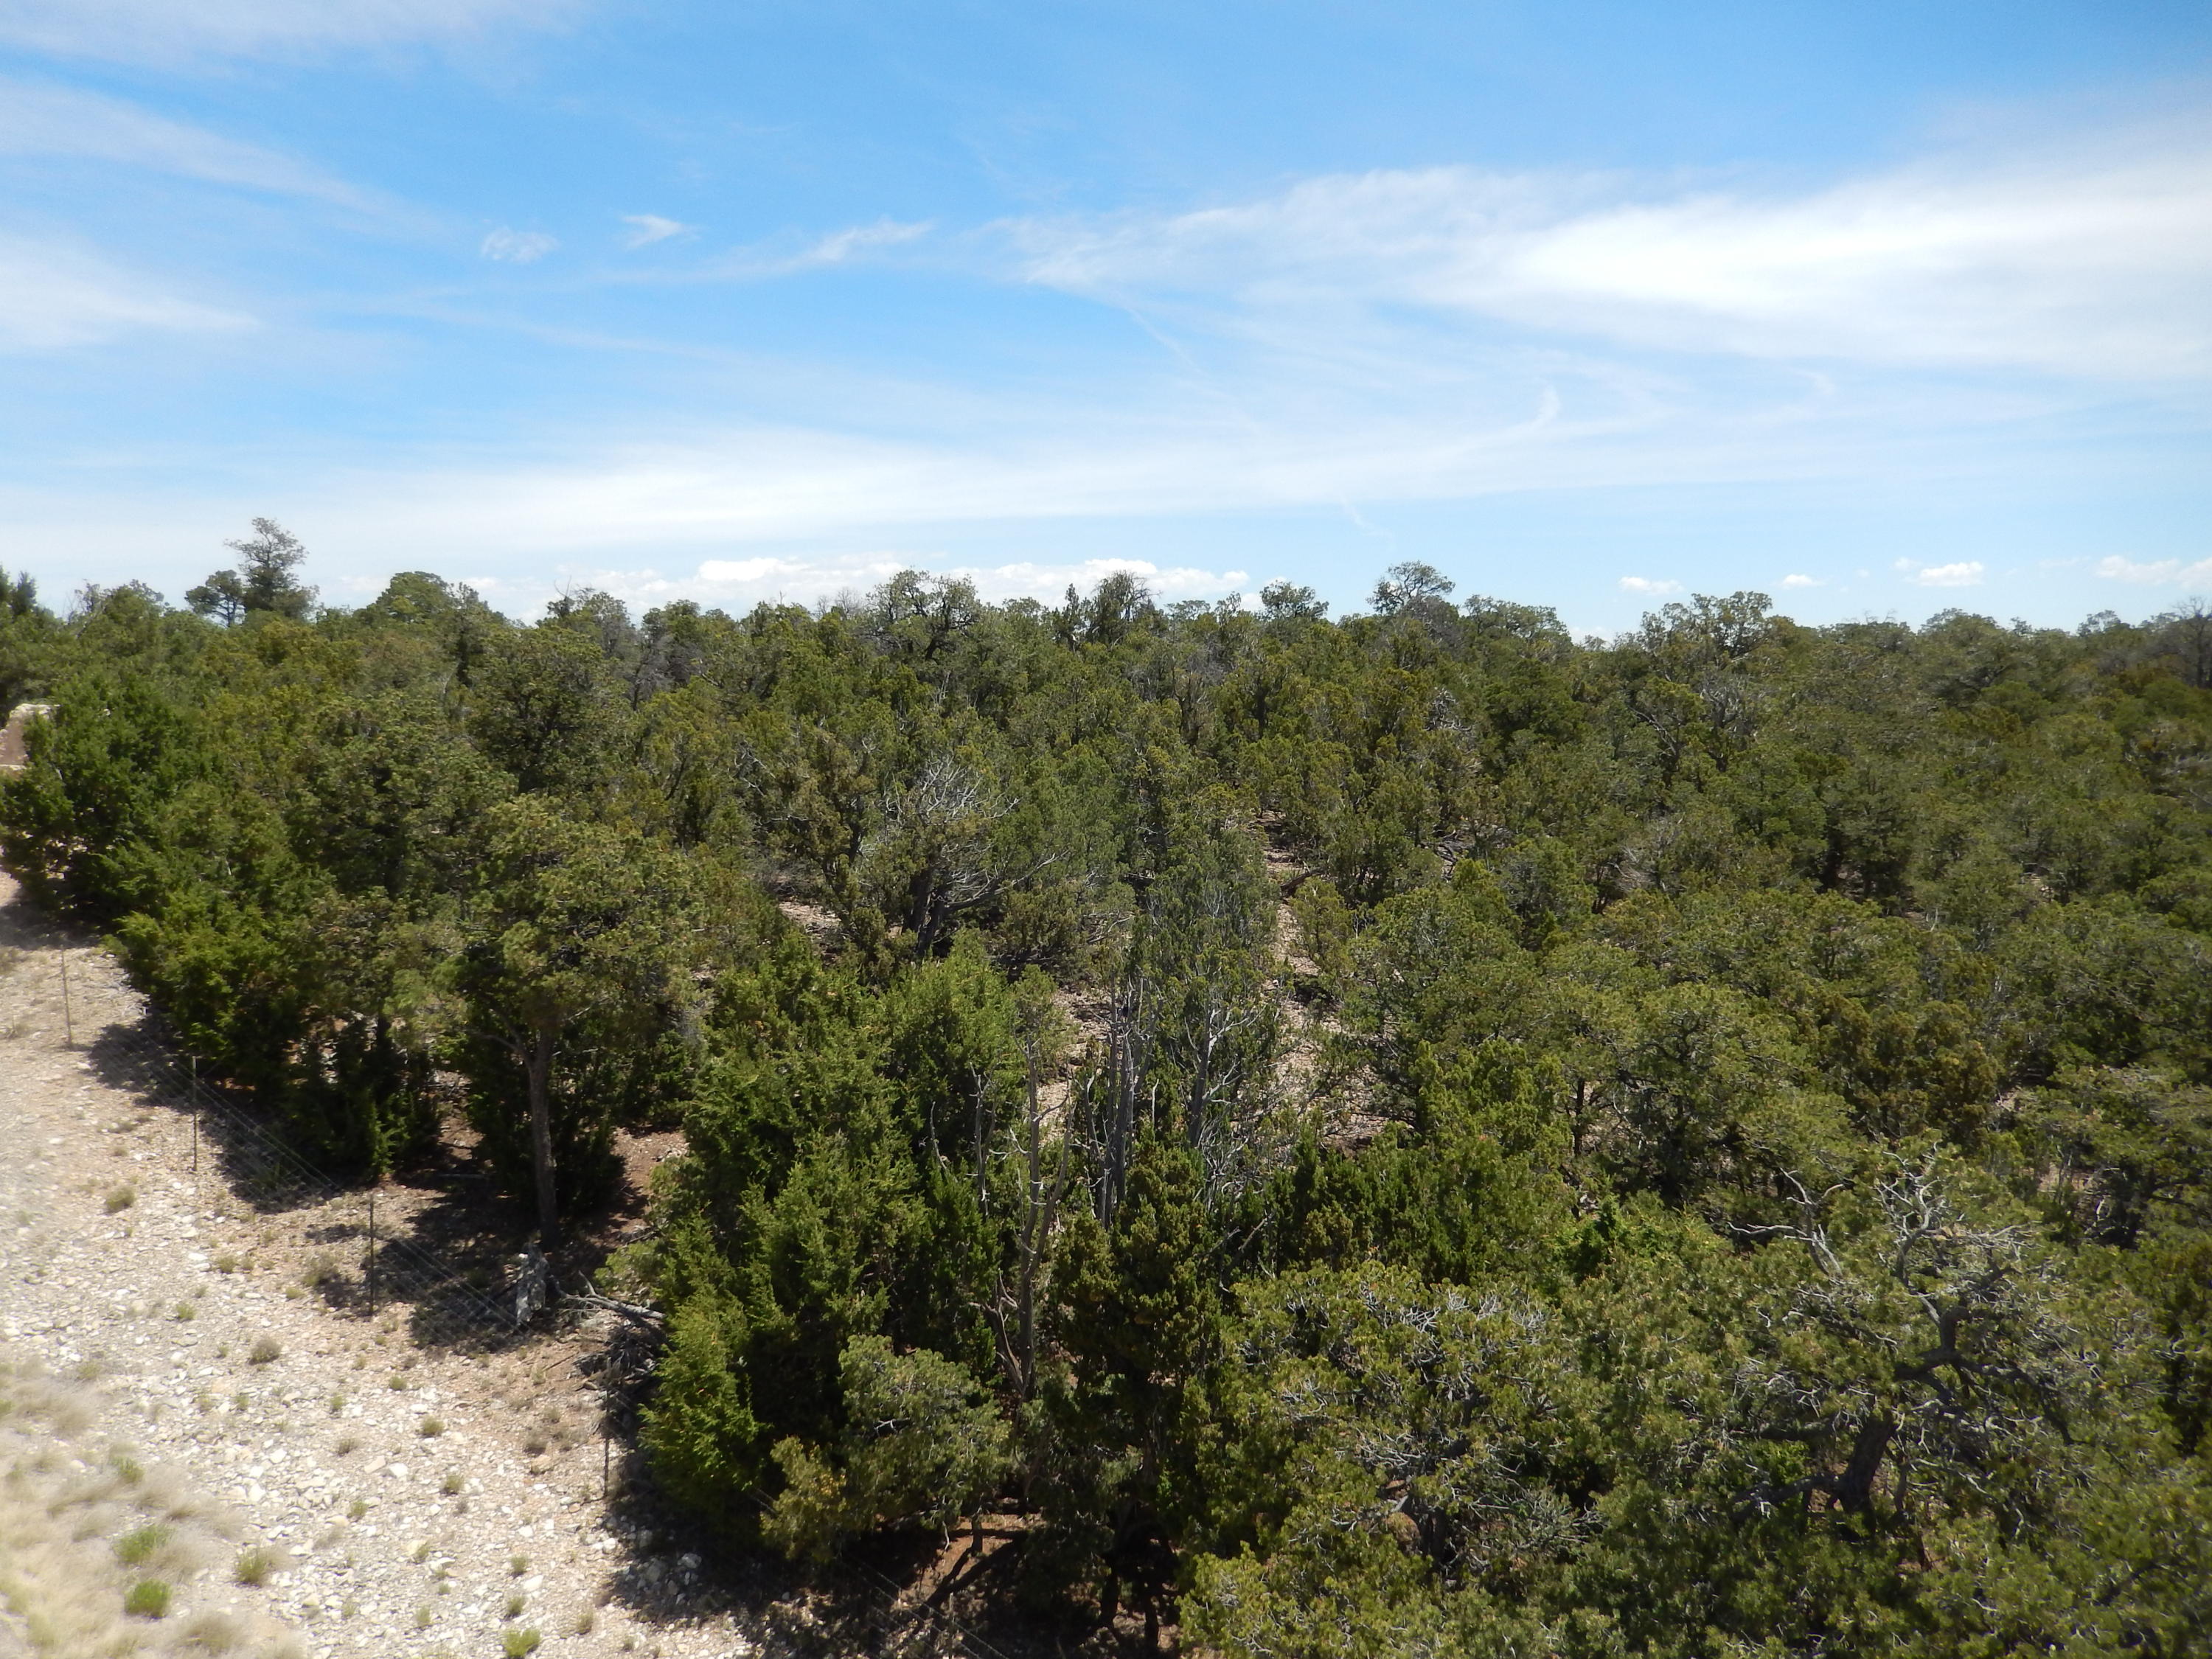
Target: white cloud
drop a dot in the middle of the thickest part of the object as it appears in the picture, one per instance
(2093, 259)
(1650, 586)
(694, 492)
(647, 228)
(142, 31)
(2157, 573)
(59, 121)
(755, 488)
(785, 259)
(53, 296)
(1966, 572)
(517, 246)
(838, 247)
(1794, 581)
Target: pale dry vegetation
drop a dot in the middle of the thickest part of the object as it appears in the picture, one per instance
(101, 1555)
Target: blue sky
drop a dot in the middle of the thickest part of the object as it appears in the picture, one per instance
(1881, 307)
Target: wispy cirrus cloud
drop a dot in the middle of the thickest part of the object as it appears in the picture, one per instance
(55, 295)
(790, 256)
(2093, 259)
(517, 247)
(154, 31)
(839, 246)
(647, 228)
(39, 119)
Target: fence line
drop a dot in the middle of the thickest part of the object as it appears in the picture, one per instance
(403, 1264)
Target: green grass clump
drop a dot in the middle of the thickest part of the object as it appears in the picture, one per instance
(135, 1548)
(265, 1349)
(254, 1566)
(518, 1643)
(120, 1199)
(147, 1599)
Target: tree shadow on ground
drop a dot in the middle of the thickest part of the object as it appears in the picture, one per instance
(446, 1237)
(914, 1595)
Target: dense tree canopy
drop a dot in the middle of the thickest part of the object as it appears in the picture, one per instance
(1404, 1133)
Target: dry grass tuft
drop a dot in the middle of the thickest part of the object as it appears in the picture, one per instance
(138, 1547)
(82, 1569)
(212, 1632)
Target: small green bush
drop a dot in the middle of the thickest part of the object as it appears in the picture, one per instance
(120, 1199)
(147, 1599)
(265, 1349)
(254, 1566)
(135, 1548)
(518, 1643)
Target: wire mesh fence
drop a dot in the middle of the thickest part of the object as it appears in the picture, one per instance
(239, 1153)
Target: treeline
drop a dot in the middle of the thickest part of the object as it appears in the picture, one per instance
(1409, 1133)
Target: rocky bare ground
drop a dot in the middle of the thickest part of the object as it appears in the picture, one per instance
(406, 1498)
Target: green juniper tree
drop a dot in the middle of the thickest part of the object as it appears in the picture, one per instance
(262, 582)
(1401, 1133)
